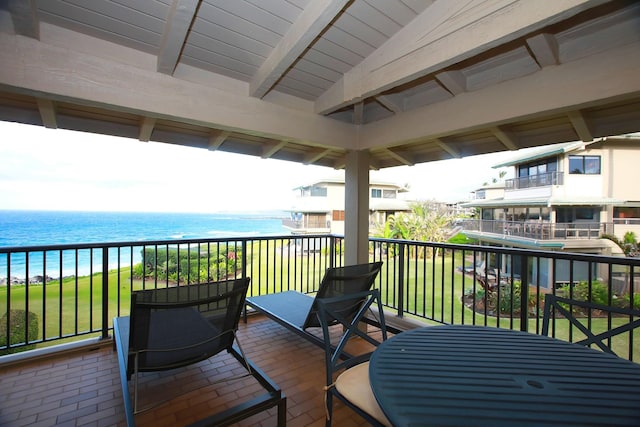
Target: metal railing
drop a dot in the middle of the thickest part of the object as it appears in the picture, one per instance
(58, 293)
(540, 230)
(540, 180)
(306, 222)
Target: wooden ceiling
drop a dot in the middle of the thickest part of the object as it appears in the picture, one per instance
(411, 81)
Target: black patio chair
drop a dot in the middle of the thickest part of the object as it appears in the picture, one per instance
(565, 307)
(298, 311)
(352, 384)
(174, 327)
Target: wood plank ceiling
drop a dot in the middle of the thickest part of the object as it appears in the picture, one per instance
(410, 80)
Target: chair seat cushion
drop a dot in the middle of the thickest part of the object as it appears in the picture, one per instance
(355, 386)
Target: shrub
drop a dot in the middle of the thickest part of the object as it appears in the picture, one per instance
(17, 333)
(625, 301)
(184, 266)
(596, 293)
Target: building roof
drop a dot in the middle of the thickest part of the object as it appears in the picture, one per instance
(388, 205)
(544, 201)
(541, 153)
(340, 181)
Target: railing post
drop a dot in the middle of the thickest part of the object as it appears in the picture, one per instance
(244, 259)
(524, 293)
(401, 281)
(105, 292)
(332, 251)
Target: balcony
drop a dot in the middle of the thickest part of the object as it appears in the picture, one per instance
(540, 230)
(66, 372)
(308, 224)
(540, 180)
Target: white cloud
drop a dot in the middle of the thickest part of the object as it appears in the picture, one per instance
(57, 169)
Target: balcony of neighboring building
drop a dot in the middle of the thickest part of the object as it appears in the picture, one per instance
(541, 230)
(540, 180)
(307, 223)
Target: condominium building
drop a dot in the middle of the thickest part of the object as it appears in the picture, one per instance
(564, 197)
(319, 206)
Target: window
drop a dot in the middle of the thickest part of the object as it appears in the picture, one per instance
(338, 215)
(626, 212)
(389, 194)
(626, 215)
(538, 173)
(539, 167)
(588, 165)
(545, 213)
(376, 193)
(318, 191)
(585, 214)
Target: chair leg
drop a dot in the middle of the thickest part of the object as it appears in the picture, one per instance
(328, 397)
(244, 357)
(135, 384)
(282, 412)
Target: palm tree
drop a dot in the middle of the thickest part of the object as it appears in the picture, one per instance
(426, 222)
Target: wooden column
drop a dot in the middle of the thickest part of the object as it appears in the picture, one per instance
(356, 224)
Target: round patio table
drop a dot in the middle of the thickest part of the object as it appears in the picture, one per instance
(458, 375)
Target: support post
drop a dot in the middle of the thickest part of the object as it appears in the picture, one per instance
(356, 225)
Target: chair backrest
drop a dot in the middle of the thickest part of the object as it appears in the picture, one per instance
(567, 308)
(339, 310)
(341, 281)
(208, 312)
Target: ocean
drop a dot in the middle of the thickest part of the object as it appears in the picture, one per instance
(36, 228)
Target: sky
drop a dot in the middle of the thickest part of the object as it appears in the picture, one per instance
(56, 169)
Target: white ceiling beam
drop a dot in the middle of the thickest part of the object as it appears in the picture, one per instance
(47, 113)
(64, 74)
(506, 137)
(314, 156)
(454, 81)
(217, 138)
(445, 33)
(545, 49)
(567, 87)
(146, 128)
(311, 22)
(389, 103)
(24, 17)
(271, 149)
(581, 125)
(448, 148)
(175, 33)
(402, 159)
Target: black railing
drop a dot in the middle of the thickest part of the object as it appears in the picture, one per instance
(540, 230)
(539, 180)
(63, 292)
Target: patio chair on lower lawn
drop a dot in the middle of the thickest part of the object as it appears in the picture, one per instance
(565, 307)
(174, 327)
(298, 311)
(352, 385)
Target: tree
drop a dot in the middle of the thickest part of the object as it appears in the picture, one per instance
(427, 222)
(629, 245)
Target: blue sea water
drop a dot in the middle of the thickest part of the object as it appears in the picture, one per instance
(36, 228)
